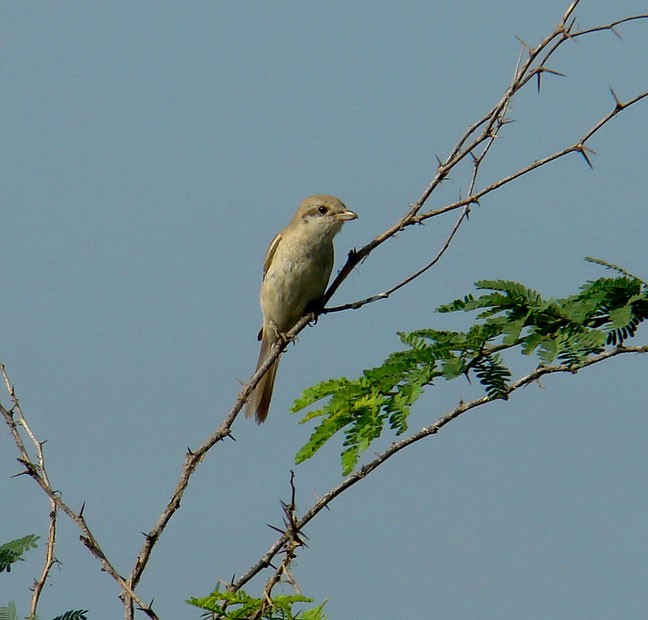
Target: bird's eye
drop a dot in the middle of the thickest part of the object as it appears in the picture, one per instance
(323, 209)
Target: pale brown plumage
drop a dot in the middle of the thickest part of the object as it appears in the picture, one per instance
(296, 270)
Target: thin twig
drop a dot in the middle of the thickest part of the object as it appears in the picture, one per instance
(15, 418)
(483, 134)
(385, 294)
(294, 539)
(578, 147)
(39, 583)
(194, 457)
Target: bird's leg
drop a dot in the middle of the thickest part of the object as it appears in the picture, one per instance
(284, 340)
(281, 337)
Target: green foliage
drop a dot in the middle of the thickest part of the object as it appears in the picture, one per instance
(604, 312)
(240, 606)
(315, 613)
(14, 550)
(9, 612)
(79, 614)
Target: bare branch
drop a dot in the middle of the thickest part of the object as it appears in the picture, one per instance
(384, 295)
(15, 419)
(611, 26)
(194, 457)
(294, 539)
(481, 135)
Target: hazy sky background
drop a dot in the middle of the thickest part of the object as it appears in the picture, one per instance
(150, 152)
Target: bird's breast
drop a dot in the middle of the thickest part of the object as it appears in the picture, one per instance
(297, 276)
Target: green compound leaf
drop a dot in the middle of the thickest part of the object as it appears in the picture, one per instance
(240, 605)
(14, 550)
(509, 317)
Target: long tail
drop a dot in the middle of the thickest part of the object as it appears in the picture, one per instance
(258, 403)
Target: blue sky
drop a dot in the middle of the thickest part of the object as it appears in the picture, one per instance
(151, 151)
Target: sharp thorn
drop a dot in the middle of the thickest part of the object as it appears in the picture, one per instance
(585, 157)
(524, 44)
(619, 105)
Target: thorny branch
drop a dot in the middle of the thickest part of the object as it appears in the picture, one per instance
(15, 420)
(294, 538)
(36, 470)
(475, 143)
(193, 457)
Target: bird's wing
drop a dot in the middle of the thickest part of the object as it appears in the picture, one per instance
(270, 252)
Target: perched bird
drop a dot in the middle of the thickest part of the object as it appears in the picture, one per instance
(296, 271)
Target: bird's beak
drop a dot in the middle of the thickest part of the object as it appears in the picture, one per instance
(345, 216)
